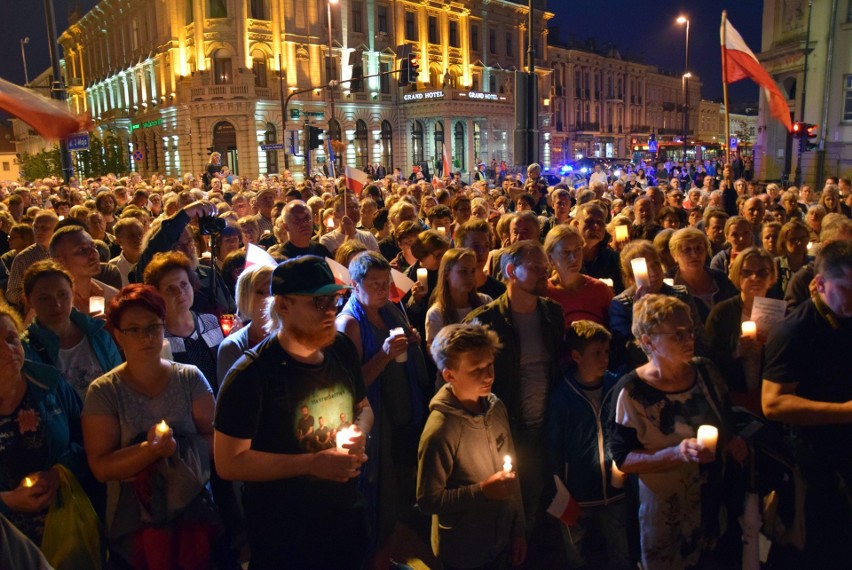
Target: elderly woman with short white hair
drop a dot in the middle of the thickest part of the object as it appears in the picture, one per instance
(655, 435)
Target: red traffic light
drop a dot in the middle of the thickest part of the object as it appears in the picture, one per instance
(797, 128)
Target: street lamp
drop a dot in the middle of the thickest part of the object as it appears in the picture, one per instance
(25, 41)
(686, 75)
(331, 83)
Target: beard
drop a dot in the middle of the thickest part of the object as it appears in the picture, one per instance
(313, 336)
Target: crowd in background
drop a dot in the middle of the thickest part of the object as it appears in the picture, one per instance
(139, 345)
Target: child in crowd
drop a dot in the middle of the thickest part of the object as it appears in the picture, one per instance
(477, 514)
(578, 447)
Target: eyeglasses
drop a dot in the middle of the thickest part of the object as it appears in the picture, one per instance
(680, 335)
(760, 273)
(144, 332)
(325, 303)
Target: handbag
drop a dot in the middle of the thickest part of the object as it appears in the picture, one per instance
(72, 531)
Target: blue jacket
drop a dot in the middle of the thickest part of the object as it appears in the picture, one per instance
(58, 406)
(42, 345)
(578, 441)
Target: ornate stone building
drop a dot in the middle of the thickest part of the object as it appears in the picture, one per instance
(177, 78)
(822, 96)
(605, 105)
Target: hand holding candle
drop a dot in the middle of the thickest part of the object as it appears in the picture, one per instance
(618, 477)
(621, 233)
(422, 276)
(507, 463)
(161, 430)
(393, 333)
(442, 230)
(29, 481)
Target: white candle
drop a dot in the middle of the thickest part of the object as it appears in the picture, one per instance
(345, 436)
(329, 223)
(161, 429)
(422, 278)
(749, 329)
(607, 282)
(442, 231)
(395, 333)
(507, 463)
(29, 481)
(617, 477)
(668, 281)
(640, 271)
(708, 436)
(96, 304)
(621, 233)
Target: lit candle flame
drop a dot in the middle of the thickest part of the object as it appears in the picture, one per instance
(30, 481)
(162, 428)
(507, 463)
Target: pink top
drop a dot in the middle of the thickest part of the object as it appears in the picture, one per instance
(590, 302)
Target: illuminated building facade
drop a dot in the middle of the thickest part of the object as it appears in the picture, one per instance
(176, 78)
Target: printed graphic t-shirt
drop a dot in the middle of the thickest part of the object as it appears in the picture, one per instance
(277, 402)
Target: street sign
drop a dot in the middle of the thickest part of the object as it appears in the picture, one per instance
(137, 156)
(733, 143)
(273, 146)
(295, 113)
(652, 146)
(78, 141)
(316, 114)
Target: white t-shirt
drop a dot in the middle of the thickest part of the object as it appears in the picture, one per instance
(79, 366)
(435, 318)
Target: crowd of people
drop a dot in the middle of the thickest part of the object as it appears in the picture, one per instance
(542, 390)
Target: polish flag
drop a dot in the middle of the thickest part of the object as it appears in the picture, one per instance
(51, 119)
(564, 507)
(356, 180)
(400, 285)
(341, 274)
(739, 63)
(447, 173)
(256, 255)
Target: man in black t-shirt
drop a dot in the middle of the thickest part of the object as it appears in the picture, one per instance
(808, 385)
(292, 488)
(299, 223)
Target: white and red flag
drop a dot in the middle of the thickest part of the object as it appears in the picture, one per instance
(51, 119)
(400, 285)
(341, 274)
(739, 62)
(256, 255)
(447, 173)
(356, 179)
(564, 506)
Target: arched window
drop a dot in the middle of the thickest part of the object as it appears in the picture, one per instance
(362, 155)
(336, 143)
(439, 141)
(458, 146)
(271, 137)
(417, 142)
(222, 74)
(387, 146)
(217, 9)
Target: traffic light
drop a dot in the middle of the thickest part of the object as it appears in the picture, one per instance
(314, 134)
(356, 60)
(413, 68)
(403, 72)
(807, 134)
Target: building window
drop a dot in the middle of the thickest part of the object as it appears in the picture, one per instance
(417, 142)
(217, 8)
(492, 41)
(271, 137)
(362, 156)
(509, 50)
(383, 18)
(357, 17)
(433, 30)
(258, 65)
(454, 33)
(384, 79)
(847, 105)
(410, 26)
(190, 15)
(474, 38)
(6, 166)
(458, 146)
(387, 146)
(222, 68)
(260, 9)
(492, 83)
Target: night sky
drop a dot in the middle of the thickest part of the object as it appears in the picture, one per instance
(638, 29)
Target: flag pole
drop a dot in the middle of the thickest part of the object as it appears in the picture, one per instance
(725, 90)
